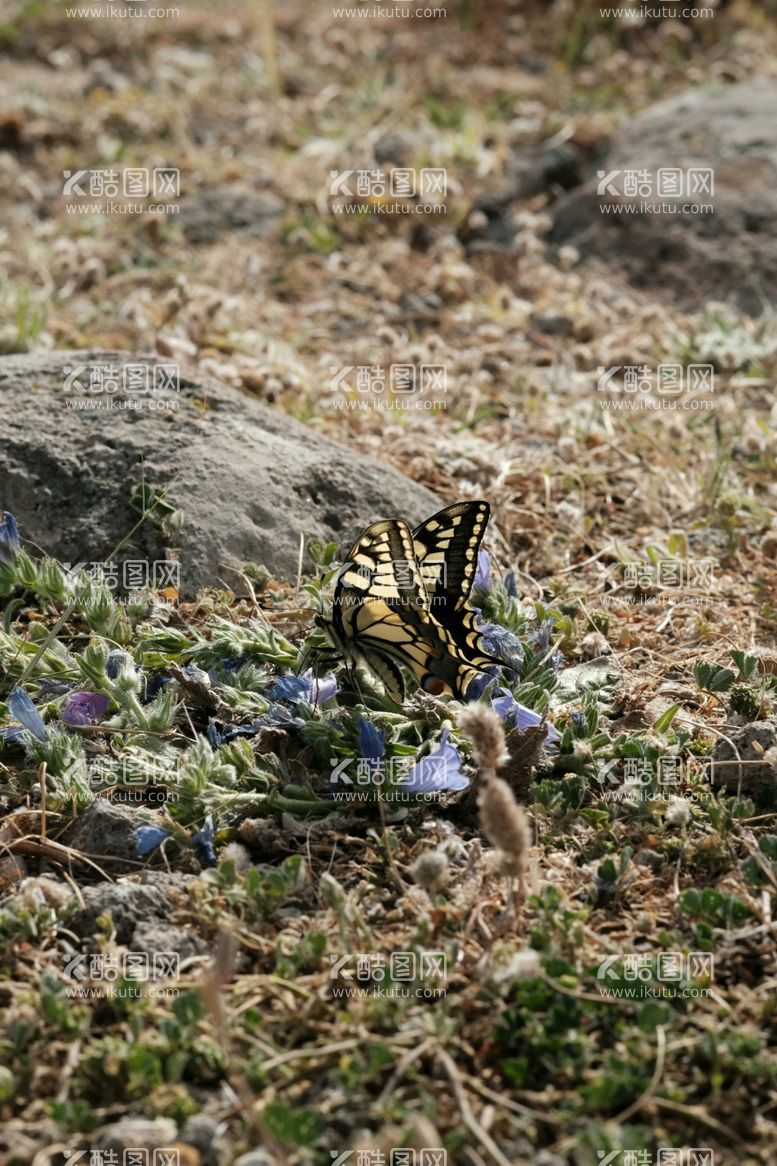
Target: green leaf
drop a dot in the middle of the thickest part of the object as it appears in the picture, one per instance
(662, 723)
(713, 677)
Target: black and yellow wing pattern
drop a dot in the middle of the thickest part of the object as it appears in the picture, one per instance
(382, 616)
(446, 547)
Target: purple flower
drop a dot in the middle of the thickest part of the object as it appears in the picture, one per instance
(483, 573)
(84, 708)
(510, 583)
(439, 770)
(147, 838)
(519, 716)
(9, 538)
(203, 843)
(22, 709)
(320, 690)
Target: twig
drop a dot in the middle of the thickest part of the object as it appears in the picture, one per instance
(468, 1117)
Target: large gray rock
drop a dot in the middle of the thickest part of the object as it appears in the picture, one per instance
(246, 479)
(730, 254)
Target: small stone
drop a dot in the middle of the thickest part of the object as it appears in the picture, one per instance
(649, 858)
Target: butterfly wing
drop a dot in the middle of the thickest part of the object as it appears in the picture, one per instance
(380, 614)
(447, 546)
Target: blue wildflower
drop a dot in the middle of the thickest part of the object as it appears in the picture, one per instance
(483, 572)
(147, 838)
(9, 538)
(439, 770)
(84, 708)
(510, 583)
(277, 715)
(22, 709)
(541, 637)
(518, 716)
(304, 689)
(372, 743)
(203, 843)
(154, 686)
(478, 686)
(499, 642)
(291, 688)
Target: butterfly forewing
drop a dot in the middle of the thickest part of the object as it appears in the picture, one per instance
(447, 546)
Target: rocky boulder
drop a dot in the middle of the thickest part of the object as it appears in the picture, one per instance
(82, 430)
(688, 257)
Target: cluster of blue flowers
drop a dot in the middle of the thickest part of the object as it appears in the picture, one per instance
(293, 701)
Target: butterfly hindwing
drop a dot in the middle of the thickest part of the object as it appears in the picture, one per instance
(380, 608)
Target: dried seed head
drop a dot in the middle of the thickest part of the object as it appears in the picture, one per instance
(504, 823)
(238, 854)
(484, 728)
(430, 870)
(678, 812)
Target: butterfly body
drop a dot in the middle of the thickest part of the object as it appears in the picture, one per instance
(401, 601)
